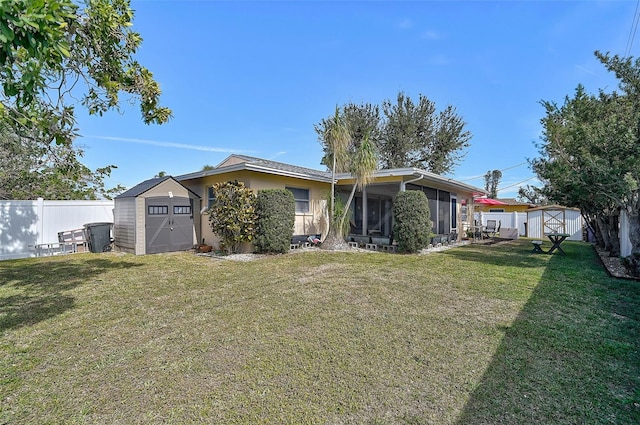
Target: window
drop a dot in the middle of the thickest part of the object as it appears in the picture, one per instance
(454, 213)
(182, 209)
(301, 197)
(158, 210)
(496, 209)
(211, 197)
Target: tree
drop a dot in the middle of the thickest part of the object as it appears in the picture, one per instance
(415, 135)
(491, 182)
(54, 52)
(334, 134)
(160, 174)
(233, 214)
(358, 120)
(350, 149)
(29, 170)
(533, 195)
(590, 152)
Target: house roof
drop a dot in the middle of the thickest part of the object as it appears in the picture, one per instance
(514, 201)
(146, 185)
(237, 162)
(250, 163)
(418, 176)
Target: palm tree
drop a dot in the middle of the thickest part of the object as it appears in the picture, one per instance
(345, 153)
(363, 166)
(334, 133)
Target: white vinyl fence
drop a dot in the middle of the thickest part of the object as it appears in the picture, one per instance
(25, 224)
(507, 220)
(625, 242)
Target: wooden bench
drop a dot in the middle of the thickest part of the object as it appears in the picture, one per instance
(537, 247)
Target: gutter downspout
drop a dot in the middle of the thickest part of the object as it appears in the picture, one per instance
(403, 184)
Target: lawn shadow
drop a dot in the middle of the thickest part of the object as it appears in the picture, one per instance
(516, 253)
(571, 356)
(37, 290)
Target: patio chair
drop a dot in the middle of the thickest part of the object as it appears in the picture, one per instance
(490, 229)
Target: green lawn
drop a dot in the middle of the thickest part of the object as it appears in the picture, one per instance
(471, 335)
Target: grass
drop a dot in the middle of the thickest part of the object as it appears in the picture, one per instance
(476, 334)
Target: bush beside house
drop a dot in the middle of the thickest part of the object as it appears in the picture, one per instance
(412, 226)
(275, 219)
(232, 214)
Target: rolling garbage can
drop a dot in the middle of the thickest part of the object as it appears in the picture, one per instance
(98, 236)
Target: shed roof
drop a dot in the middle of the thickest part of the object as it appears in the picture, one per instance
(146, 185)
(552, 207)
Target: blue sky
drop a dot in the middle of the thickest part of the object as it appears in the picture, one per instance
(254, 77)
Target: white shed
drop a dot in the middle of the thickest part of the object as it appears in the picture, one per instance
(554, 218)
(156, 216)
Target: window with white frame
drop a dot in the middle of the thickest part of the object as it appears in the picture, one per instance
(301, 197)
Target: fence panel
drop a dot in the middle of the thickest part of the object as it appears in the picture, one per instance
(24, 224)
(508, 220)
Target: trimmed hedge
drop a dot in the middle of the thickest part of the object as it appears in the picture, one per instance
(276, 211)
(412, 226)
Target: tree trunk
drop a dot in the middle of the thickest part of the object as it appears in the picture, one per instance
(603, 233)
(335, 238)
(614, 234)
(334, 242)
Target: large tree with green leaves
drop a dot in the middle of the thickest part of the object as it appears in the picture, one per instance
(417, 135)
(29, 170)
(54, 52)
(591, 149)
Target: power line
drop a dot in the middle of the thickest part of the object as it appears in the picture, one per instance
(515, 184)
(634, 27)
(503, 170)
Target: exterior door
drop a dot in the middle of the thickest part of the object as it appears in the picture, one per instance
(169, 224)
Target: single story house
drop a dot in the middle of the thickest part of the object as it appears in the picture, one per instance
(450, 201)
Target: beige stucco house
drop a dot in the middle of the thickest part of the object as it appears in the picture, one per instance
(449, 200)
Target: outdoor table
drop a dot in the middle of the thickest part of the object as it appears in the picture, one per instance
(556, 239)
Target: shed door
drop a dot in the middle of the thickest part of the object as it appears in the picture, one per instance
(169, 224)
(553, 221)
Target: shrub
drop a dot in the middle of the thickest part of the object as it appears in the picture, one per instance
(232, 215)
(412, 225)
(275, 211)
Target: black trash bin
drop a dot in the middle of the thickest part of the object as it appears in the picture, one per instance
(98, 236)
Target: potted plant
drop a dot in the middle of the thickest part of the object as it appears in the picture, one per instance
(203, 247)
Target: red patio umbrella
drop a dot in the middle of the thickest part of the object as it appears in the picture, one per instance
(488, 201)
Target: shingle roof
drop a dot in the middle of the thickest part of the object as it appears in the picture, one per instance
(283, 167)
(143, 187)
(236, 162)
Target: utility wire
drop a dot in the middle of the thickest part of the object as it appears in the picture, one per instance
(515, 184)
(634, 27)
(503, 170)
